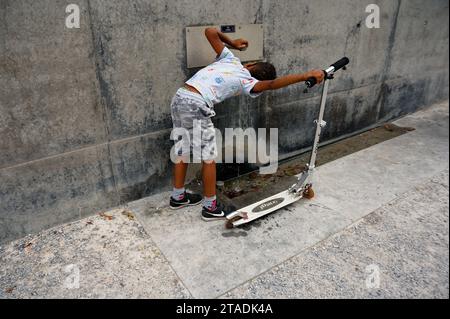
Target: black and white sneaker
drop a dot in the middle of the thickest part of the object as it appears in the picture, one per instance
(216, 214)
(188, 199)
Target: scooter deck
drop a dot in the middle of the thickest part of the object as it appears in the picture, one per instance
(259, 209)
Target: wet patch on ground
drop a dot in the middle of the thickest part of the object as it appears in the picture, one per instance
(251, 187)
(234, 234)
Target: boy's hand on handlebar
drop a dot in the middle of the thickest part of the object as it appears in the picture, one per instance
(319, 75)
(240, 44)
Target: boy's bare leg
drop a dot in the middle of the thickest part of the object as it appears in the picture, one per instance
(211, 209)
(180, 198)
(179, 174)
(209, 178)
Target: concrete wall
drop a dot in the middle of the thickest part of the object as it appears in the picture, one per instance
(84, 113)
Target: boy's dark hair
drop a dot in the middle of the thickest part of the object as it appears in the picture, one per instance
(263, 71)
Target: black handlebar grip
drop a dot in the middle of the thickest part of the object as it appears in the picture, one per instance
(341, 63)
(311, 82)
(337, 66)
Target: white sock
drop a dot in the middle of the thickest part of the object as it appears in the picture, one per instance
(178, 193)
(210, 202)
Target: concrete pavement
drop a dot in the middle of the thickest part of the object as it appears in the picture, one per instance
(405, 242)
(379, 212)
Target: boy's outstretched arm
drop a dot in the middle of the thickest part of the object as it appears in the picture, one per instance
(217, 40)
(287, 80)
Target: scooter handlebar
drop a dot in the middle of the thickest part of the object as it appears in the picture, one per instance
(337, 66)
(340, 64)
(312, 81)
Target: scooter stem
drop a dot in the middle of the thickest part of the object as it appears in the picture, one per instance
(320, 124)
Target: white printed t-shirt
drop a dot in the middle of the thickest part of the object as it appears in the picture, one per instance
(222, 79)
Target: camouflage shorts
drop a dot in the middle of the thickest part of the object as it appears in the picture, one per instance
(194, 132)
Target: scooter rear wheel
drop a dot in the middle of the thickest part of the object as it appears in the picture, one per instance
(229, 223)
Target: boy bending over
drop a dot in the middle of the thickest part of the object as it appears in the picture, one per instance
(194, 103)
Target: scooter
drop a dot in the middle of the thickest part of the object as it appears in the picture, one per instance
(303, 187)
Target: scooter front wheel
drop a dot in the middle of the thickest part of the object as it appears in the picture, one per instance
(308, 193)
